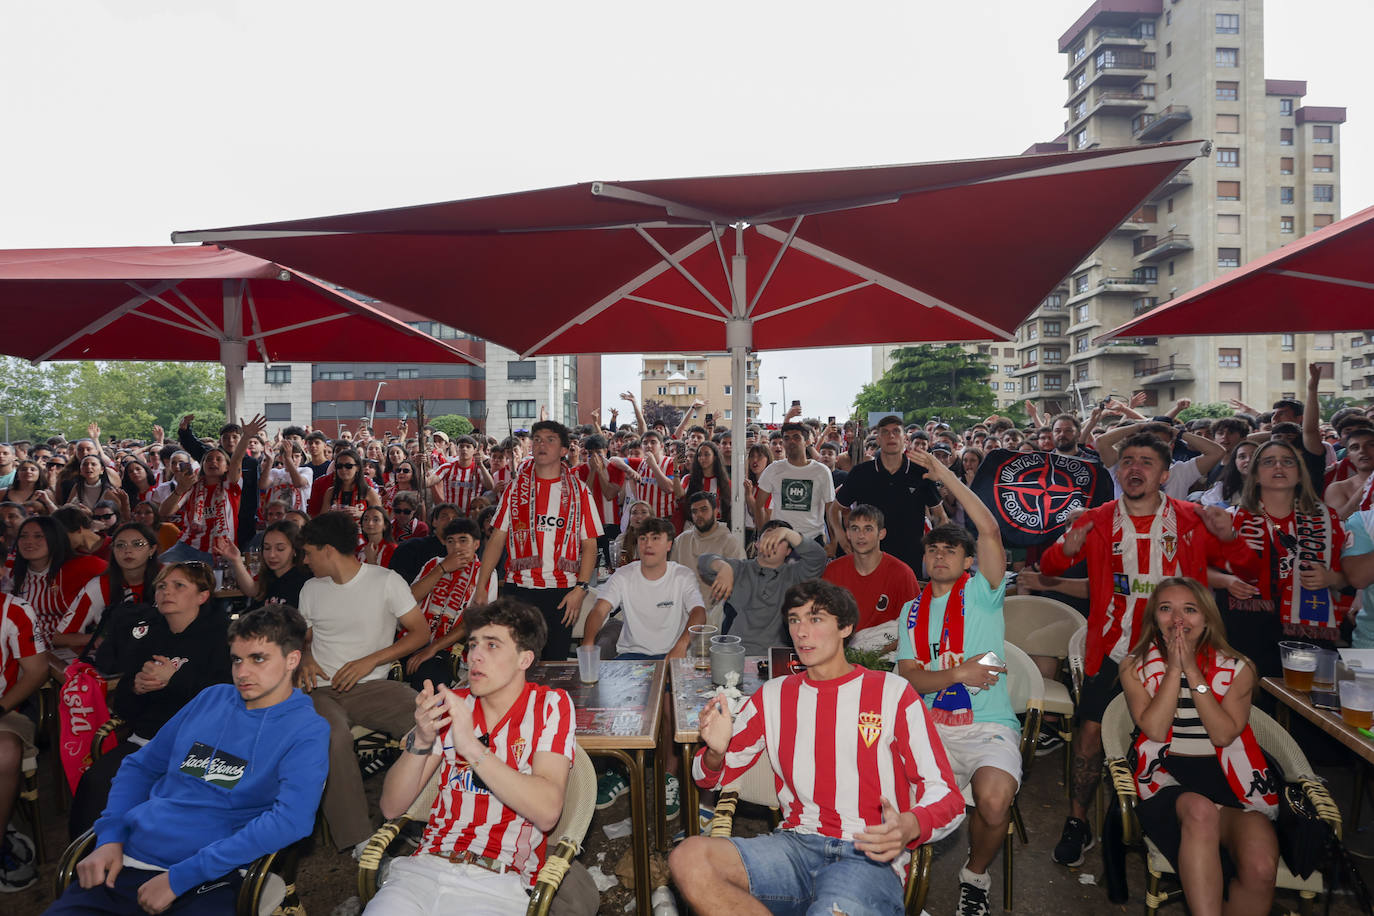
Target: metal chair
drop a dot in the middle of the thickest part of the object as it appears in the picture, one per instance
(1116, 742)
(579, 804)
(28, 801)
(1025, 687)
(756, 787)
(267, 889)
(1043, 626)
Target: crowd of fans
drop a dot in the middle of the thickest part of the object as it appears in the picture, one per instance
(132, 555)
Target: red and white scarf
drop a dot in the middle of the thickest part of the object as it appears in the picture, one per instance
(953, 705)
(525, 533)
(207, 514)
(1367, 497)
(1282, 549)
(1132, 580)
(1242, 761)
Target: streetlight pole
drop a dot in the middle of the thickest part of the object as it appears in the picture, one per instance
(772, 411)
(372, 414)
(783, 379)
(334, 405)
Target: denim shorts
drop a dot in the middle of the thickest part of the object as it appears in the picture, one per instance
(793, 873)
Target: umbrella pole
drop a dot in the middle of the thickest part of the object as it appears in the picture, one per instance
(233, 350)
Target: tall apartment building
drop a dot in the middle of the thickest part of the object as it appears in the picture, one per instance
(680, 378)
(1147, 71)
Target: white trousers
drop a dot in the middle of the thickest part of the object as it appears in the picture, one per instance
(426, 885)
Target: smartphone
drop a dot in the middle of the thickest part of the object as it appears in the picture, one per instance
(710, 419)
(796, 403)
(1325, 699)
(832, 420)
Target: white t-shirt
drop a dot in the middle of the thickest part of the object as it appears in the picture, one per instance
(355, 619)
(278, 486)
(656, 610)
(799, 494)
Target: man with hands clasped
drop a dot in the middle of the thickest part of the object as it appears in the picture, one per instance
(862, 779)
(504, 748)
(941, 637)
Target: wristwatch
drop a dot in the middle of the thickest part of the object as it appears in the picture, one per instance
(1202, 688)
(584, 586)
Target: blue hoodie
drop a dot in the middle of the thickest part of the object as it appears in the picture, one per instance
(219, 786)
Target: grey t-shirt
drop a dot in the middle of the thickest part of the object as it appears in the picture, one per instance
(758, 593)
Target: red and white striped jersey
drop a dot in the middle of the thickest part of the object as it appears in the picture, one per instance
(85, 612)
(468, 817)
(451, 594)
(459, 484)
(838, 748)
(502, 476)
(608, 507)
(649, 489)
(279, 486)
(210, 511)
(548, 524)
(50, 601)
(19, 638)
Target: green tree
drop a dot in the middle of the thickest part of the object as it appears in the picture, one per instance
(1214, 410)
(928, 381)
(661, 412)
(1328, 404)
(452, 425)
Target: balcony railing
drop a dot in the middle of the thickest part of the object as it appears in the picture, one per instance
(1159, 124)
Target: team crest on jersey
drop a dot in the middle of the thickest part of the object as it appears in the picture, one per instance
(1170, 543)
(882, 602)
(517, 747)
(870, 727)
(1117, 548)
(140, 631)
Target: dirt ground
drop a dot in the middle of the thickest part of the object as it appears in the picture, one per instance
(327, 878)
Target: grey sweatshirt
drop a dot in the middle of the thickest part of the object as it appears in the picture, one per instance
(758, 593)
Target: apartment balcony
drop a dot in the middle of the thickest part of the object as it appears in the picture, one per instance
(1119, 38)
(1114, 101)
(1141, 220)
(1164, 374)
(1133, 347)
(1162, 123)
(1131, 284)
(1153, 248)
(1121, 70)
(1087, 384)
(1177, 183)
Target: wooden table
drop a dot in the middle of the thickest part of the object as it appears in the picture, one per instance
(692, 690)
(1325, 719)
(618, 717)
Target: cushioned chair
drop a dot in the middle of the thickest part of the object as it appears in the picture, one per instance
(756, 787)
(268, 883)
(1025, 687)
(579, 803)
(1117, 727)
(1043, 626)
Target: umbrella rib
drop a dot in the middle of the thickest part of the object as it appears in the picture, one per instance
(717, 235)
(672, 208)
(814, 299)
(676, 308)
(256, 322)
(260, 335)
(1140, 156)
(1323, 278)
(180, 327)
(777, 259)
(108, 318)
(888, 283)
(205, 324)
(675, 263)
(616, 295)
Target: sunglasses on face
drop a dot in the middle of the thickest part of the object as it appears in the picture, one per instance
(402, 510)
(104, 517)
(347, 467)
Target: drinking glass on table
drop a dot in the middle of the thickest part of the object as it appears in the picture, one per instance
(1299, 660)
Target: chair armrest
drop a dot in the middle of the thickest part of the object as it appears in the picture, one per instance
(254, 878)
(724, 819)
(76, 850)
(370, 861)
(1323, 804)
(551, 876)
(918, 879)
(1123, 783)
(1030, 731)
(107, 728)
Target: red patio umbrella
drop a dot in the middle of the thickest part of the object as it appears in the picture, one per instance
(943, 251)
(1322, 282)
(202, 304)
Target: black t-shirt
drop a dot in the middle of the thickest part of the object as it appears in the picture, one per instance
(1316, 468)
(136, 634)
(411, 556)
(286, 589)
(903, 497)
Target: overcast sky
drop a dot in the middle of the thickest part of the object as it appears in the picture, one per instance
(124, 120)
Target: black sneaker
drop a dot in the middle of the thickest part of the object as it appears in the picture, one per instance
(18, 862)
(1047, 742)
(1076, 839)
(973, 901)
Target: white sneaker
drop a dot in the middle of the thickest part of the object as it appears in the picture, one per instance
(18, 862)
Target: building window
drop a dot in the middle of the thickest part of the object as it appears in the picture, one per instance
(1322, 163)
(1320, 220)
(1080, 284)
(276, 375)
(728, 390)
(1285, 195)
(1228, 158)
(1032, 357)
(1229, 391)
(1145, 275)
(1168, 49)
(1228, 57)
(1326, 370)
(374, 375)
(1143, 29)
(662, 389)
(407, 373)
(1080, 138)
(1323, 193)
(1228, 190)
(1285, 136)
(1286, 165)
(1228, 223)
(1228, 123)
(1032, 332)
(692, 389)
(335, 375)
(1321, 133)
(730, 414)
(1290, 371)
(1168, 17)
(1080, 108)
(1286, 107)
(1286, 342)
(1228, 23)
(1080, 343)
(1079, 50)
(279, 412)
(1168, 81)
(1285, 224)
(1054, 354)
(1054, 301)
(1053, 329)
(521, 369)
(1143, 304)
(1054, 383)
(1228, 358)
(1323, 341)
(1227, 90)
(1357, 342)
(1228, 257)
(1080, 372)
(1081, 314)
(1033, 383)
(1080, 79)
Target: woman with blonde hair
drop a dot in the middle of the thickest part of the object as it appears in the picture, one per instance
(1207, 796)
